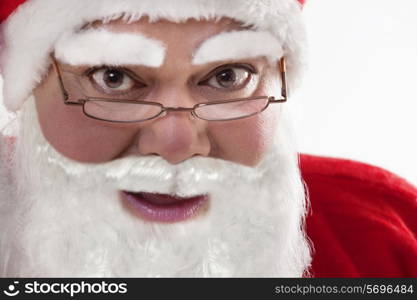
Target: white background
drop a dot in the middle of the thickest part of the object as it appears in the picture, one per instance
(359, 97)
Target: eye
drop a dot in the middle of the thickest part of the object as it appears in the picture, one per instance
(230, 77)
(112, 80)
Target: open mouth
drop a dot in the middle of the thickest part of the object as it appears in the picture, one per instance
(164, 207)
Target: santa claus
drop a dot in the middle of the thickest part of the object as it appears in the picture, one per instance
(152, 138)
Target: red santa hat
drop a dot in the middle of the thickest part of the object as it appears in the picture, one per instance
(30, 29)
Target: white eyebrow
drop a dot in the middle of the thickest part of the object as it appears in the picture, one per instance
(103, 47)
(238, 45)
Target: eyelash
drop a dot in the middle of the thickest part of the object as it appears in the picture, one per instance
(139, 83)
(89, 72)
(248, 67)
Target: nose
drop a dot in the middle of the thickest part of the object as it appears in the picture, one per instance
(175, 137)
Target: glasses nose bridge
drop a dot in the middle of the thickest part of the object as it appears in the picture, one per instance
(179, 108)
(166, 110)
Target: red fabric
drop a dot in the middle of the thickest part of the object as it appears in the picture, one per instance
(362, 222)
(7, 7)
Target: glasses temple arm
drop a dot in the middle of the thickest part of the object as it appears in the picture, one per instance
(61, 83)
(283, 70)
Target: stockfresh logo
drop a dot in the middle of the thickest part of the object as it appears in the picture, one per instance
(12, 290)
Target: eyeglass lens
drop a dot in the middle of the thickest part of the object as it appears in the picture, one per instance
(130, 111)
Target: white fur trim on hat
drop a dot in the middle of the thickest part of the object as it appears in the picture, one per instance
(31, 33)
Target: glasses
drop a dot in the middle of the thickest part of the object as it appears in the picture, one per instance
(131, 111)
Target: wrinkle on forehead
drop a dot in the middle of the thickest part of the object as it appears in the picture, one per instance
(104, 47)
(239, 44)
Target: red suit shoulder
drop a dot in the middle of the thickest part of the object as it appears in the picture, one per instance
(362, 220)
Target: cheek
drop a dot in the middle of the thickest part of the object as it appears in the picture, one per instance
(245, 141)
(76, 136)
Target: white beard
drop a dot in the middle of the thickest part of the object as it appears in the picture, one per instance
(66, 218)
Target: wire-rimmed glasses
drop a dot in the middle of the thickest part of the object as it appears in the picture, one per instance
(131, 111)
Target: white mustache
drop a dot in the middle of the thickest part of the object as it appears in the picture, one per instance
(196, 175)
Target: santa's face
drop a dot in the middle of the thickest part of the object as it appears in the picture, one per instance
(173, 196)
(172, 75)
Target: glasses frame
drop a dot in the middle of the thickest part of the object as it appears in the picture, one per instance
(165, 109)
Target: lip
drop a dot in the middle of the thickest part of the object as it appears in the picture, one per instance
(163, 207)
